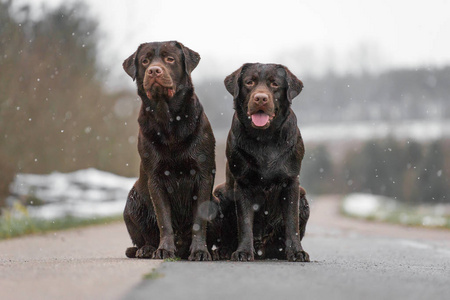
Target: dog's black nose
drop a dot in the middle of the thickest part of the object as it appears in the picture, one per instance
(261, 98)
(155, 71)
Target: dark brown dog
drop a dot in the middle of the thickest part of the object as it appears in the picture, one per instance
(167, 208)
(264, 154)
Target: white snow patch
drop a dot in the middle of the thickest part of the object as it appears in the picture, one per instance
(361, 205)
(434, 221)
(83, 193)
(384, 208)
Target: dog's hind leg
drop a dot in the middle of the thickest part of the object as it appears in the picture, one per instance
(303, 212)
(141, 225)
(222, 231)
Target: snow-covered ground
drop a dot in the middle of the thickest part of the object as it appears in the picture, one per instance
(407, 130)
(84, 193)
(91, 193)
(381, 208)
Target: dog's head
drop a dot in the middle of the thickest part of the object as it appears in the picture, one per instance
(262, 93)
(161, 69)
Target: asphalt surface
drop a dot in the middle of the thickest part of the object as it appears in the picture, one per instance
(83, 263)
(387, 270)
(353, 260)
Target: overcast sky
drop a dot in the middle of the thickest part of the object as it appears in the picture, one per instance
(308, 36)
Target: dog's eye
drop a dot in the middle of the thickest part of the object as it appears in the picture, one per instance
(250, 83)
(274, 84)
(145, 61)
(170, 59)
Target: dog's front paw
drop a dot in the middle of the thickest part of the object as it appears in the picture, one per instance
(163, 254)
(200, 255)
(221, 253)
(225, 253)
(243, 255)
(215, 254)
(145, 251)
(298, 256)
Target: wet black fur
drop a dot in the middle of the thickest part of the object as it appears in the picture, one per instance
(176, 146)
(264, 209)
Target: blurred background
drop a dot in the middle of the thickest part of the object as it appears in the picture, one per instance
(374, 114)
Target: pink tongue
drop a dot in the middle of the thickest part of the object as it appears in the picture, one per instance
(260, 119)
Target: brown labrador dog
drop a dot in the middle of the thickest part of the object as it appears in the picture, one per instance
(167, 208)
(264, 155)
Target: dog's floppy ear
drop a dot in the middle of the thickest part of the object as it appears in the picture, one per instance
(295, 85)
(191, 58)
(232, 81)
(129, 65)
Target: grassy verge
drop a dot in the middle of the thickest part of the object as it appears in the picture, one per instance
(407, 218)
(421, 216)
(16, 222)
(154, 274)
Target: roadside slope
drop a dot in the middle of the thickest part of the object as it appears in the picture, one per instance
(326, 220)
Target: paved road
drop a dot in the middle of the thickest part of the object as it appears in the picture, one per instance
(351, 260)
(86, 263)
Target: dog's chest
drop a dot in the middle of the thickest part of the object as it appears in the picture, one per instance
(182, 195)
(267, 164)
(268, 208)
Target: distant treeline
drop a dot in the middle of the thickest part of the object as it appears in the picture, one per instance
(56, 115)
(410, 172)
(54, 112)
(390, 96)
